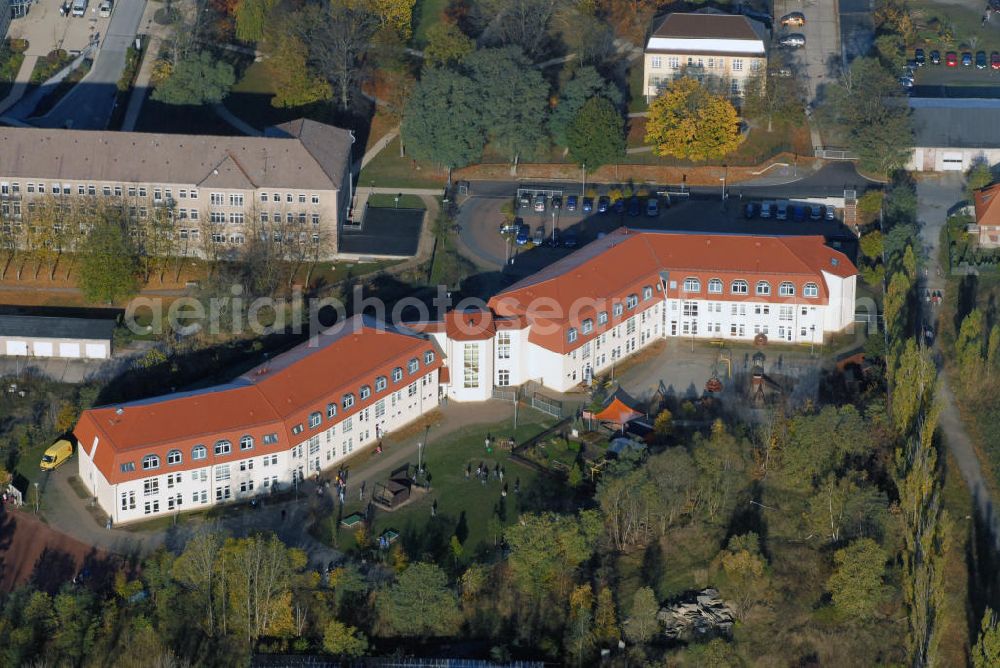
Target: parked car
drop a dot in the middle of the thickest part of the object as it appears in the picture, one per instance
(793, 41)
(919, 57)
(911, 65)
(794, 19)
(831, 212)
(906, 82)
(524, 201)
(980, 60)
(523, 234)
(798, 213)
(781, 212)
(539, 237)
(995, 60)
(750, 210)
(781, 72)
(588, 204)
(935, 57)
(967, 59)
(510, 228)
(569, 239)
(951, 59)
(815, 212)
(571, 203)
(766, 209)
(553, 240)
(603, 204)
(104, 9)
(634, 208)
(619, 205)
(539, 203)
(557, 201)
(652, 207)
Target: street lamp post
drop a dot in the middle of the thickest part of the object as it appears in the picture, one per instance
(36, 497)
(420, 453)
(725, 174)
(583, 188)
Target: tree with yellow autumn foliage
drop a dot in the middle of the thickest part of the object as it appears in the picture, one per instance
(688, 121)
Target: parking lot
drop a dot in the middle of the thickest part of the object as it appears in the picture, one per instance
(822, 34)
(480, 220)
(46, 30)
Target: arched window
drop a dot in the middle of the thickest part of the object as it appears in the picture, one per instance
(413, 365)
(174, 457)
(763, 288)
(199, 452)
(429, 357)
(348, 401)
(631, 301)
(692, 285)
(786, 289)
(315, 419)
(366, 391)
(397, 374)
(246, 443)
(715, 286)
(223, 447)
(647, 293)
(150, 462)
(381, 383)
(810, 290)
(739, 287)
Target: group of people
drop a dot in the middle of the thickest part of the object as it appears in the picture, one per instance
(483, 473)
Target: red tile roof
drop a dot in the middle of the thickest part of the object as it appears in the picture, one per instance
(272, 398)
(987, 209)
(625, 262)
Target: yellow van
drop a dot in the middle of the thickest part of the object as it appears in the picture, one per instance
(56, 454)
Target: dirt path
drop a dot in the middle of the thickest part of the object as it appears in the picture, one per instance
(935, 196)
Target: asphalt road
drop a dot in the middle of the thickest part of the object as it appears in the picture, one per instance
(90, 103)
(822, 33)
(479, 216)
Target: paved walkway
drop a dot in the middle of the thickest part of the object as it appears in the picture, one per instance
(21, 82)
(290, 519)
(378, 147)
(140, 88)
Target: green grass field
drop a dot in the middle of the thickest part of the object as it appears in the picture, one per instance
(388, 169)
(952, 25)
(464, 507)
(389, 202)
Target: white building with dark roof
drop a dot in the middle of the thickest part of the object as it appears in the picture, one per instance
(725, 50)
(951, 134)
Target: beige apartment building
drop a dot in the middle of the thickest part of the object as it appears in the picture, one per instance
(724, 50)
(294, 183)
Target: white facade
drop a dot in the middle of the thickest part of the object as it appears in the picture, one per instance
(266, 469)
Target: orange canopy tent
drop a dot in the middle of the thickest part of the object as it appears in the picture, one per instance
(618, 410)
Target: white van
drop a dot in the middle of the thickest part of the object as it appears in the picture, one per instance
(79, 7)
(104, 9)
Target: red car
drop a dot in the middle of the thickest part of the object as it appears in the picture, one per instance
(951, 59)
(995, 60)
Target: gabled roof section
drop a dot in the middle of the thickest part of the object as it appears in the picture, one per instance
(228, 174)
(987, 208)
(705, 26)
(330, 147)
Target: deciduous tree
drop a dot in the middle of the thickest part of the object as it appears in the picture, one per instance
(420, 603)
(343, 641)
(641, 623)
(295, 82)
(986, 651)
(439, 125)
(109, 270)
(446, 44)
(687, 121)
(199, 79)
(979, 176)
(856, 583)
(252, 17)
(586, 84)
(596, 136)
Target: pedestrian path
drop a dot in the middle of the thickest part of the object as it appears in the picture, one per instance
(140, 88)
(378, 147)
(21, 82)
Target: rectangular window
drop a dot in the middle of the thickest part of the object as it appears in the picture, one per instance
(150, 487)
(380, 409)
(503, 377)
(656, 62)
(216, 199)
(347, 425)
(503, 345)
(236, 200)
(737, 64)
(674, 62)
(690, 309)
(222, 472)
(470, 357)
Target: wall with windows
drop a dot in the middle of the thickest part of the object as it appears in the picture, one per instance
(725, 73)
(197, 215)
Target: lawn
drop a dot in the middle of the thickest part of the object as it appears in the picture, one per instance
(389, 202)
(951, 25)
(390, 171)
(49, 65)
(10, 63)
(636, 94)
(425, 14)
(465, 507)
(59, 92)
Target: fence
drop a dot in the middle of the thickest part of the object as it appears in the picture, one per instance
(546, 404)
(505, 394)
(834, 153)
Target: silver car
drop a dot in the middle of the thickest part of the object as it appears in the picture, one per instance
(793, 41)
